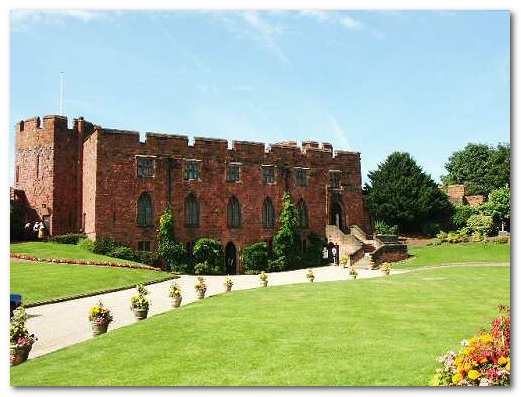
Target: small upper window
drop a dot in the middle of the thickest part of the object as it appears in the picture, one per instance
(268, 174)
(334, 179)
(191, 170)
(301, 176)
(233, 173)
(145, 167)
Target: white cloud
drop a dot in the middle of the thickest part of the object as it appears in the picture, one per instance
(21, 19)
(350, 23)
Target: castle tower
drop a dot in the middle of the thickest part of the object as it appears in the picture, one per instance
(47, 170)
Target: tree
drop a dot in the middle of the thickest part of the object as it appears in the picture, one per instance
(286, 241)
(498, 205)
(400, 193)
(481, 168)
(209, 256)
(167, 248)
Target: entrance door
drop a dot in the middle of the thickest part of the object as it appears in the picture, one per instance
(336, 216)
(230, 258)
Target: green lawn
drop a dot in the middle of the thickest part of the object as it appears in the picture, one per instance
(62, 251)
(382, 331)
(44, 281)
(455, 253)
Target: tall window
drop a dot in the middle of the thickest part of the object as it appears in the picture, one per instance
(143, 245)
(145, 167)
(144, 210)
(17, 173)
(334, 179)
(302, 214)
(191, 211)
(301, 176)
(268, 174)
(233, 172)
(37, 165)
(234, 213)
(268, 214)
(191, 170)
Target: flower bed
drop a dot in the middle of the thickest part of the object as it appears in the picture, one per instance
(484, 359)
(84, 262)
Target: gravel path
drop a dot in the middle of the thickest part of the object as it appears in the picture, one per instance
(62, 324)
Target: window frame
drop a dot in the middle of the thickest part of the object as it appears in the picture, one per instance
(237, 167)
(268, 214)
(191, 199)
(301, 172)
(338, 179)
(152, 159)
(233, 212)
(273, 177)
(186, 169)
(150, 213)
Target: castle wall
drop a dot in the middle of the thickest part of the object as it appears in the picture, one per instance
(118, 187)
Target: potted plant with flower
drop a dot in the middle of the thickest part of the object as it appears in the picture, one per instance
(21, 342)
(353, 273)
(310, 276)
(200, 287)
(386, 268)
(263, 279)
(175, 294)
(139, 303)
(228, 284)
(100, 318)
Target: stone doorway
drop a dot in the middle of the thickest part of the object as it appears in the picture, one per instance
(230, 259)
(336, 215)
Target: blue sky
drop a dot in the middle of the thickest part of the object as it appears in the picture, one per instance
(375, 82)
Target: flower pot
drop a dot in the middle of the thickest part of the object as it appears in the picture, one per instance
(353, 276)
(264, 283)
(140, 314)
(387, 272)
(200, 294)
(228, 288)
(176, 301)
(99, 328)
(19, 354)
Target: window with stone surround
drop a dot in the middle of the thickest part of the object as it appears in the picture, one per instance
(144, 210)
(301, 176)
(268, 214)
(191, 170)
(145, 166)
(334, 179)
(268, 174)
(143, 245)
(234, 213)
(302, 214)
(233, 172)
(191, 211)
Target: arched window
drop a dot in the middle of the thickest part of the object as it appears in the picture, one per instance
(268, 214)
(234, 213)
(144, 210)
(191, 210)
(302, 214)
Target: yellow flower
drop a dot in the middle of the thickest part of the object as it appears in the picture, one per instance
(485, 338)
(467, 367)
(502, 360)
(473, 374)
(507, 367)
(483, 360)
(456, 378)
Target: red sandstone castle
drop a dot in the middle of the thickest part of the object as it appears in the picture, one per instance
(109, 184)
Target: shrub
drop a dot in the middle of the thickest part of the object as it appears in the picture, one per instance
(442, 236)
(380, 227)
(122, 252)
(202, 268)
(86, 244)
(69, 238)
(313, 254)
(286, 245)
(147, 257)
(276, 265)
(210, 252)
(430, 229)
(461, 214)
(173, 253)
(481, 224)
(255, 257)
(103, 246)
